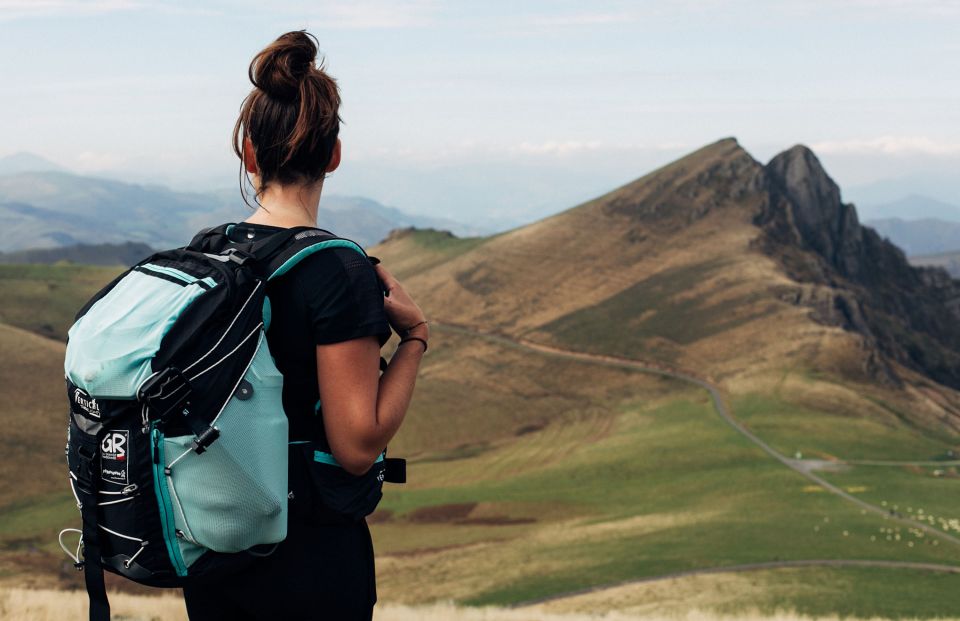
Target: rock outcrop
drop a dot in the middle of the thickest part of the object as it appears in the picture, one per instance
(910, 314)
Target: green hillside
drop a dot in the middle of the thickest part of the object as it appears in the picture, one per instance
(671, 413)
(554, 475)
(45, 298)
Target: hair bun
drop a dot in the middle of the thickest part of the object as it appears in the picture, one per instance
(281, 67)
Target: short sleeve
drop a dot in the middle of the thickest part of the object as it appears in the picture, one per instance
(342, 296)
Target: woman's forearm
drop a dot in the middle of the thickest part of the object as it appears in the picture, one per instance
(396, 386)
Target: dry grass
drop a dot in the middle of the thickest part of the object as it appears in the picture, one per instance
(33, 410)
(20, 604)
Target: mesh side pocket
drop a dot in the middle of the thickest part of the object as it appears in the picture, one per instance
(234, 495)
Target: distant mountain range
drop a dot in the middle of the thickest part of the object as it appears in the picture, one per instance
(43, 206)
(910, 207)
(127, 253)
(949, 261)
(920, 225)
(920, 237)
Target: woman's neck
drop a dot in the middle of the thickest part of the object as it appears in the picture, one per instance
(288, 205)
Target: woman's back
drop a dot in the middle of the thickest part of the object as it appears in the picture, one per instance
(330, 315)
(326, 561)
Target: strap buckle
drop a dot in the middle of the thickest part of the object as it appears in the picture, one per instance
(237, 255)
(165, 392)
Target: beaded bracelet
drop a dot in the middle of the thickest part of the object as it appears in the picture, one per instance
(414, 338)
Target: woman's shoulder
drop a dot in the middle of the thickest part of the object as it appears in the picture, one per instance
(333, 264)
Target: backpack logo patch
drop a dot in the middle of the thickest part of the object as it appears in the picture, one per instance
(114, 466)
(86, 403)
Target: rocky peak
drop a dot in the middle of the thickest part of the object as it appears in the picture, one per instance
(824, 222)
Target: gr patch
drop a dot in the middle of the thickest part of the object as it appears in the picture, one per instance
(114, 466)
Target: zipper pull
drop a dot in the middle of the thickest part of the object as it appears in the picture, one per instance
(156, 447)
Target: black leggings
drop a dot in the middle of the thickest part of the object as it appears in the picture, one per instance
(320, 571)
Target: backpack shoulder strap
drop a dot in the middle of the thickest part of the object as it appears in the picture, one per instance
(301, 245)
(276, 254)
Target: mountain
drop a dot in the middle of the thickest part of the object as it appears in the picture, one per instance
(941, 185)
(778, 410)
(950, 261)
(716, 263)
(86, 254)
(912, 207)
(49, 209)
(23, 161)
(919, 237)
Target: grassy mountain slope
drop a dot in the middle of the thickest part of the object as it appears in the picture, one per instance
(672, 267)
(533, 475)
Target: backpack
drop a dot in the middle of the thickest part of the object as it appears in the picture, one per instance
(177, 444)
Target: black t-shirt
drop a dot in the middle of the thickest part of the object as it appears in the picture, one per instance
(332, 295)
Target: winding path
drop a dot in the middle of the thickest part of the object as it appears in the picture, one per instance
(797, 465)
(934, 567)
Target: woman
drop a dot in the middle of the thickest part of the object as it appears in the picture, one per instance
(330, 317)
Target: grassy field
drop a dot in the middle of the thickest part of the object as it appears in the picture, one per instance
(45, 298)
(19, 604)
(534, 476)
(657, 308)
(561, 475)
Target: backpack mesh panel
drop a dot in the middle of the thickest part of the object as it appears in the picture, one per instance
(111, 346)
(234, 495)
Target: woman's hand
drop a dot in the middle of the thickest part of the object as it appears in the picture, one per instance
(402, 311)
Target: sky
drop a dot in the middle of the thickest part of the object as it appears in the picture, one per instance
(497, 112)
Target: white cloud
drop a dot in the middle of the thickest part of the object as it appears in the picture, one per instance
(89, 162)
(29, 9)
(936, 7)
(18, 9)
(888, 145)
(372, 14)
(556, 147)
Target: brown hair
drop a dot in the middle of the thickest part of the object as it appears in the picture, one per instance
(292, 114)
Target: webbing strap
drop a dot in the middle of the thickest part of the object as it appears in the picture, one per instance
(92, 569)
(86, 489)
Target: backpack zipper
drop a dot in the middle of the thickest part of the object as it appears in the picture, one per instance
(167, 523)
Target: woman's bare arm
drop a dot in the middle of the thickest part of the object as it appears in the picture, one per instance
(361, 411)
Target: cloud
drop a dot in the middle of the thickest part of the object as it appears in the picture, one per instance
(46, 9)
(372, 14)
(88, 162)
(19, 9)
(935, 7)
(889, 145)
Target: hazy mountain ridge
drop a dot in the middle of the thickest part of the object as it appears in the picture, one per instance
(51, 208)
(912, 207)
(919, 237)
(127, 253)
(950, 261)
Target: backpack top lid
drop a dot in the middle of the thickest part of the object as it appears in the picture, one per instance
(112, 345)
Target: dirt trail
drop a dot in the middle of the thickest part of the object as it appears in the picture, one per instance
(797, 466)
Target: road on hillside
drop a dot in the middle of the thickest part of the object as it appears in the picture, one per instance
(796, 465)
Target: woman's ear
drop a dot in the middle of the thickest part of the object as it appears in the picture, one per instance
(335, 158)
(249, 157)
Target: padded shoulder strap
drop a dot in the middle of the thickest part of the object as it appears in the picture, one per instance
(302, 245)
(275, 254)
